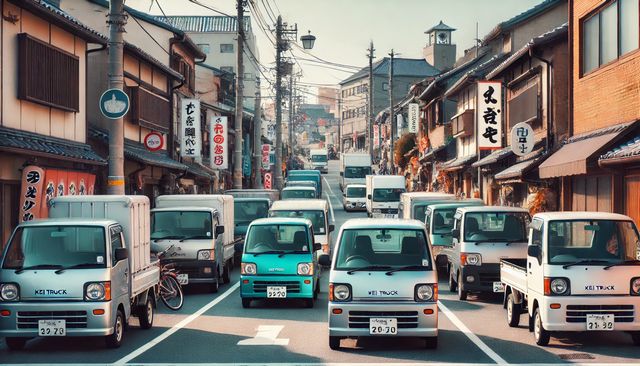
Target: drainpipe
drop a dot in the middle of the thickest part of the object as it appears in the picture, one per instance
(550, 122)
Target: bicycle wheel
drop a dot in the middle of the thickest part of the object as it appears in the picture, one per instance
(171, 292)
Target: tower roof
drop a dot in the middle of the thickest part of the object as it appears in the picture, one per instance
(440, 26)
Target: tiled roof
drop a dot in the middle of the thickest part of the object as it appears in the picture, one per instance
(401, 67)
(458, 163)
(205, 23)
(600, 132)
(494, 157)
(628, 149)
(152, 60)
(440, 26)
(200, 170)
(478, 72)
(517, 170)
(521, 18)
(445, 80)
(17, 140)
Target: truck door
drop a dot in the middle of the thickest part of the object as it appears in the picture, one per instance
(535, 274)
(120, 272)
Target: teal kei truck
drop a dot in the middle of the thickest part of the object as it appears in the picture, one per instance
(279, 261)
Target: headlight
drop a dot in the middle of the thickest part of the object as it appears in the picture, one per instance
(426, 292)
(470, 259)
(206, 255)
(348, 203)
(248, 269)
(9, 292)
(556, 286)
(339, 292)
(305, 269)
(97, 291)
(635, 286)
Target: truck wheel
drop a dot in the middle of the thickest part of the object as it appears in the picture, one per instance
(431, 342)
(541, 335)
(513, 311)
(462, 294)
(452, 283)
(225, 273)
(246, 303)
(115, 340)
(316, 291)
(334, 343)
(308, 303)
(635, 336)
(16, 343)
(146, 313)
(214, 286)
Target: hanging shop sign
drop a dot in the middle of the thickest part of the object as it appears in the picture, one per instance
(191, 140)
(267, 181)
(489, 115)
(219, 144)
(266, 152)
(522, 139)
(153, 141)
(376, 135)
(414, 117)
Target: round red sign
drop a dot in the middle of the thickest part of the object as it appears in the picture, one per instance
(153, 141)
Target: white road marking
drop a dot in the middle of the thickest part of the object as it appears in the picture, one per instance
(333, 216)
(472, 337)
(267, 336)
(176, 327)
(321, 364)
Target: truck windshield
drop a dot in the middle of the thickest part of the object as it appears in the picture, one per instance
(496, 226)
(316, 217)
(357, 171)
(56, 246)
(277, 239)
(297, 193)
(443, 221)
(419, 210)
(356, 192)
(246, 211)
(387, 194)
(318, 158)
(386, 248)
(181, 224)
(575, 240)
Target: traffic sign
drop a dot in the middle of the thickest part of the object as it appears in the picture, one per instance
(153, 141)
(267, 181)
(114, 103)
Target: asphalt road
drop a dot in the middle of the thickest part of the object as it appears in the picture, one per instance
(214, 328)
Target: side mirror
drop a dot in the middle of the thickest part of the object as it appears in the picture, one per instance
(332, 227)
(341, 174)
(238, 247)
(219, 230)
(120, 254)
(317, 246)
(324, 260)
(455, 233)
(534, 251)
(368, 196)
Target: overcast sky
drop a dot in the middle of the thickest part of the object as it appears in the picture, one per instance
(344, 27)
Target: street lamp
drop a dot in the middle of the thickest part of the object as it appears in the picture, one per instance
(307, 41)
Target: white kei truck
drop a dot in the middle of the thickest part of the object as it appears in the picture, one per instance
(383, 195)
(198, 231)
(82, 272)
(319, 160)
(581, 274)
(354, 168)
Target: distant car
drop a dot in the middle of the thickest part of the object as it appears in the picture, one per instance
(354, 197)
(292, 193)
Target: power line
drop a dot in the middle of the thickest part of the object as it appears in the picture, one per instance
(211, 8)
(149, 34)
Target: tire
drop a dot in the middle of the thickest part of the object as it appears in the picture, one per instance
(462, 294)
(173, 301)
(541, 335)
(334, 343)
(453, 287)
(16, 343)
(225, 273)
(513, 311)
(635, 337)
(431, 342)
(246, 303)
(213, 288)
(316, 291)
(308, 303)
(115, 340)
(146, 313)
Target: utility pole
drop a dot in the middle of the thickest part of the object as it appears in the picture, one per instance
(116, 21)
(391, 112)
(370, 90)
(237, 167)
(291, 115)
(257, 138)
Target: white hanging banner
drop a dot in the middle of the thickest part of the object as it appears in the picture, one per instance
(414, 117)
(400, 122)
(191, 139)
(489, 115)
(219, 144)
(376, 135)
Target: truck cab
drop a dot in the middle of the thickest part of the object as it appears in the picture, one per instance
(481, 237)
(245, 210)
(301, 183)
(298, 192)
(319, 160)
(354, 168)
(312, 175)
(581, 273)
(414, 204)
(383, 195)
(315, 210)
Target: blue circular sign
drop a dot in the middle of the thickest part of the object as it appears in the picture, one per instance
(114, 103)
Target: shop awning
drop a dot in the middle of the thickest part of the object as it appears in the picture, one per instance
(494, 157)
(138, 152)
(457, 163)
(574, 156)
(200, 171)
(29, 143)
(625, 153)
(517, 170)
(432, 152)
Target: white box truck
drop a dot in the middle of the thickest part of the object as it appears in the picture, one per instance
(354, 168)
(82, 272)
(319, 159)
(200, 228)
(383, 195)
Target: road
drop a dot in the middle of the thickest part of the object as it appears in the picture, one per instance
(214, 328)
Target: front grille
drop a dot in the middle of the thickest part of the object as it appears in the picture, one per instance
(261, 286)
(73, 319)
(406, 319)
(389, 211)
(621, 313)
(487, 279)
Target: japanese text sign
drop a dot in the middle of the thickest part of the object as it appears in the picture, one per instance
(267, 181)
(266, 152)
(376, 135)
(30, 197)
(522, 139)
(191, 139)
(414, 117)
(489, 115)
(219, 143)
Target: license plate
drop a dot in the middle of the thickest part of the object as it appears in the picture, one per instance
(183, 279)
(276, 292)
(383, 326)
(389, 216)
(600, 322)
(52, 328)
(498, 287)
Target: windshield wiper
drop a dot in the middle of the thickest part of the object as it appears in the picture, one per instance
(76, 266)
(166, 237)
(39, 266)
(367, 268)
(585, 261)
(623, 263)
(414, 267)
(268, 252)
(293, 252)
(193, 237)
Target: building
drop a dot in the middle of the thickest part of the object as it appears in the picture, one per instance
(329, 97)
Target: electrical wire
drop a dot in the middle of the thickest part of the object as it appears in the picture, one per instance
(149, 34)
(211, 8)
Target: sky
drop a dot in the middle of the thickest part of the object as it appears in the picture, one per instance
(344, 28)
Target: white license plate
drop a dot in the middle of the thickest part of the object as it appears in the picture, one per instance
(600, 322)
(389, 216)
(52, 328)
(276, 292)
(498, 287)
(383, 326)
(183, 279)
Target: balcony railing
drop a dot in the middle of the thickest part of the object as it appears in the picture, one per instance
(462, 123)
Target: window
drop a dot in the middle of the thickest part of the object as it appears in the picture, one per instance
(116, 241)
(317, 218)
(148, 109)
(226, 48)
(204, 47)
(495, 226)
(248, 76)
(385, 86)
(277, 239)
(181, 224)
(227, 69)
(179, 64)
(609, 34)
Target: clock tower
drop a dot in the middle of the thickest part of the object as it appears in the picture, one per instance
(440, 51)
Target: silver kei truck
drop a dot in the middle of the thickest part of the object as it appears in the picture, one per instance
(82, 272)
(383, 282)
(581, 273)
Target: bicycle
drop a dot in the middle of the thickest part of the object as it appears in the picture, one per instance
(170, 289)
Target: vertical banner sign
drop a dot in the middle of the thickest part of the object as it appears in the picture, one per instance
(31, 194)
(219, 143)
(191, 146)
(489, 118)
(267, 181)
(414, 117)
(376, 135)
(266, 152)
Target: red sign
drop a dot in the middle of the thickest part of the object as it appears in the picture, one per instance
(267, 181)
(153, 141)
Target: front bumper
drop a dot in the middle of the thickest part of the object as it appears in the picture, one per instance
(389, 213)
(322, 169)
(80, 321)
(255, 287)
(573, 310)
(355, 206)
(354, 319)
(483, 277)
(199, 271)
